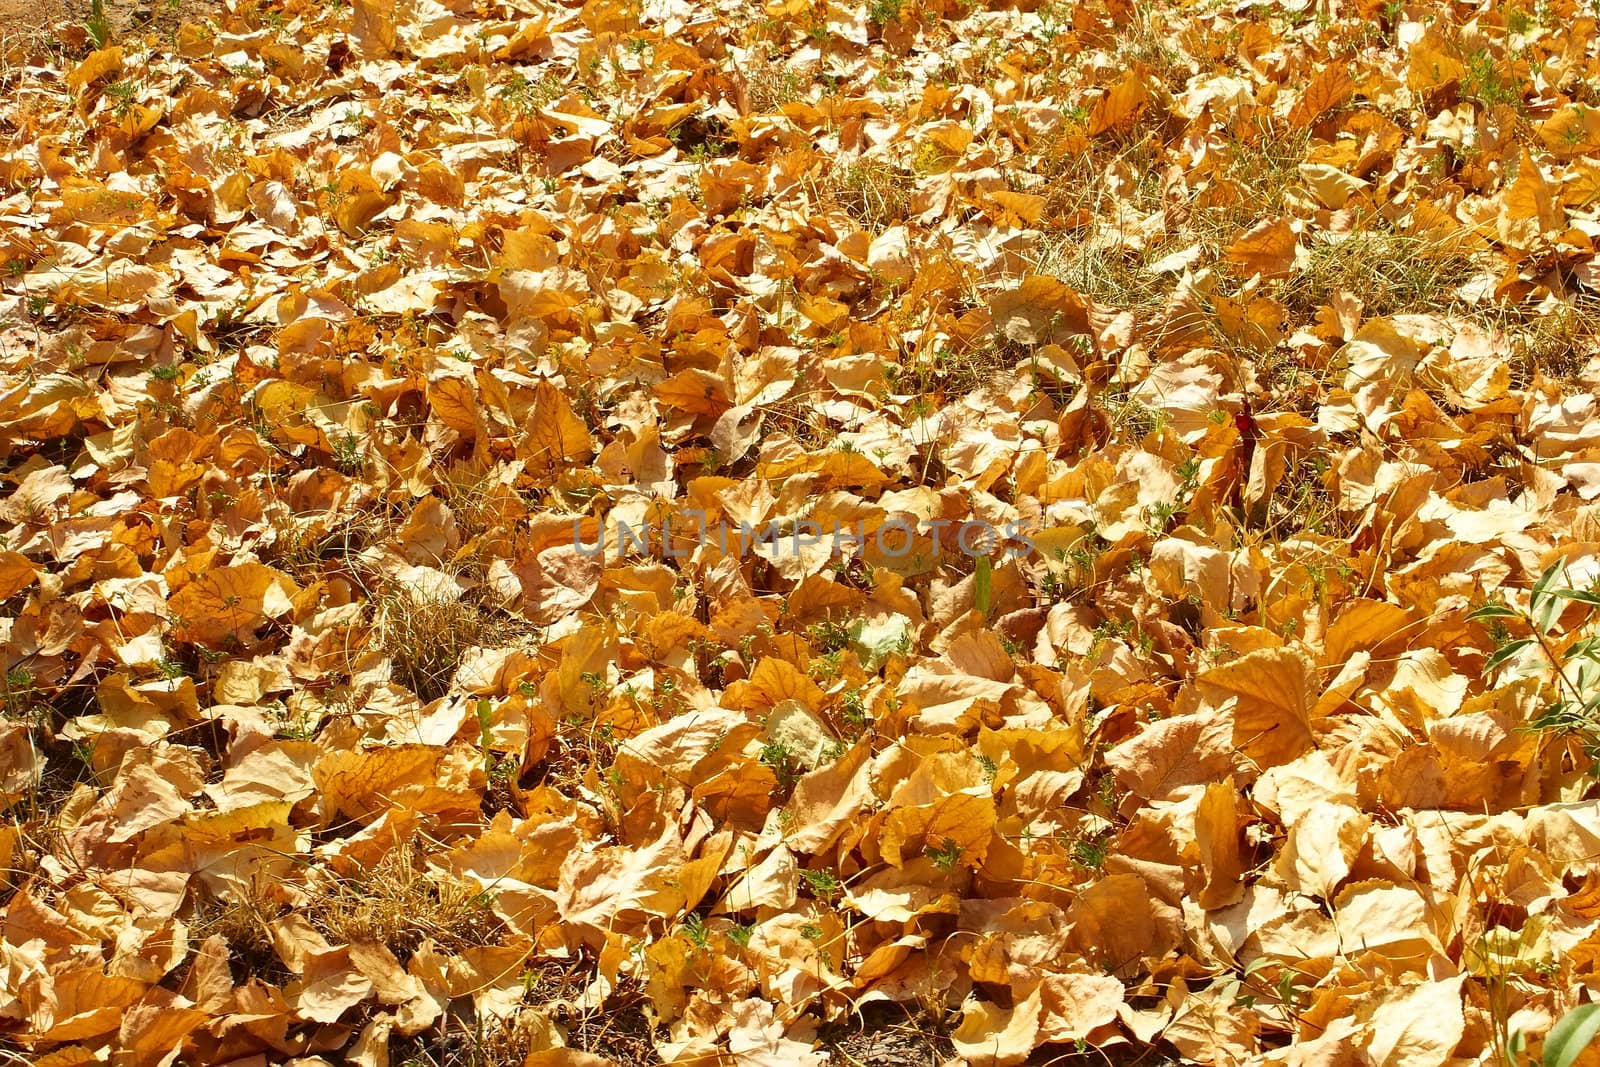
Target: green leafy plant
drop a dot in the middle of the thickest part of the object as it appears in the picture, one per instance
(776, 755)
(694, 928)
(881, 12)
(947, 856)
(824, 885)
(97, 25)
(485, 724)
(1573, 656)
(1090, 852)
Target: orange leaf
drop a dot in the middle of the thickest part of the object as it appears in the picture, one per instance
(1266, 249)
(363, 783)
(454, 402)
(231, 603)
(1217, 832)
(17, 572)
(96, 65)
(1120, 105)
(1331, 88)
(1572, 131)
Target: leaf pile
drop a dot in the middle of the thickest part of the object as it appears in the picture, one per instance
(330, 334)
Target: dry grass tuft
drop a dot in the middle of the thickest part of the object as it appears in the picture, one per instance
(1093, 265)
(400, 903)
(619, 1029)
(311, 547)
(244, 923)
(1389, 272)
(457, 1042)
(1558, 344)
(426, 636)
(890, 1034)
(768, 86)
(797, 416)
(482, 500)
(871, 191)
(619, 1032)
(1257, 177)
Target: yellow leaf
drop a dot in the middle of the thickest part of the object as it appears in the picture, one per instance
(1331, 185)
(280, 401)
(1217, 833)
(1572, 131)
(357, 200)
(542, 294)
(17, 572)
(141, 119)
(1432, 62)
(738, 797)
(992, 1036)
(777, 680)
(22, 762)
(1040, 308)
(1415, 1025)
(454, 402)
(1528, 211)
(1270, 693)
(826, 800)
(553, 434)
(88, 1002)
(10, 837)
(373, 27)
(364, 783)
(699, 392)
(837, 470)
(1075, 1003)
(1114, 922)
(330, 985)
(958, 826)
(1019, 208)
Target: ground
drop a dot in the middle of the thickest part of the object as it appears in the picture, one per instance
(836, 532)
(40, 16)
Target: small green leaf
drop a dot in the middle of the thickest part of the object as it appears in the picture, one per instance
(983, 584)
(1505, 652)
(1571, 1034)
(1544, 602)
(1582, 596)
(1588, 675)
(1514, 1046)
(485, 723)
(1541, 588)
(1491, 611)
